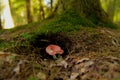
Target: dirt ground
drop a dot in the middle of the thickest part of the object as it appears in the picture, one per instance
(88, 55)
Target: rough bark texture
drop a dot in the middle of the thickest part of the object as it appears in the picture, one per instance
(29, 11)
(85, 8)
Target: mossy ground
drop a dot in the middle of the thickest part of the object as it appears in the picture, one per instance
(79, 37)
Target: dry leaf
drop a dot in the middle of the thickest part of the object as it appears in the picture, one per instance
(74, 75)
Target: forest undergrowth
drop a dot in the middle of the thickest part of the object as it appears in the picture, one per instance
(91, 52)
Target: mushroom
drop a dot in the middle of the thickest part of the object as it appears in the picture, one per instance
(53, 50)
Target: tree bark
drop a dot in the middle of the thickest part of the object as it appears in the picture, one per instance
(51, 5)
(111, 9)
(7, 19)
(41, 10)
(85, 8)
(0, 24)
(29, 11)
(10, 4)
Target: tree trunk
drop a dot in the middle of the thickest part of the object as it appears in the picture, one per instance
(10, 4)
(51, 5)
(56, 6)
(7, 19)
(41, 10)
(111, 9)
(85, 8)
(29, 11)
(0, 24)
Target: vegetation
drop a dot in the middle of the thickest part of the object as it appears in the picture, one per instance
(87, 33)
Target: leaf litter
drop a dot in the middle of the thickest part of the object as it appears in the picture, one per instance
(89, 57)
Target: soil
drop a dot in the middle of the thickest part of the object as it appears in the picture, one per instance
(89, 54)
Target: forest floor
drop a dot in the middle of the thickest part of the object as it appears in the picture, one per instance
(89, 54)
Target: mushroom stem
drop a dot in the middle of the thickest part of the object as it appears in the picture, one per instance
(54, 57)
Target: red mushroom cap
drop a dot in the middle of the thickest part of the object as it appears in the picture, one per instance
(54, 49)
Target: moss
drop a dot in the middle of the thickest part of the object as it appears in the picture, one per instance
(24, 26)
(108, 25)
(68, 21)
(98, 22)
(93, 19)
(65, 22)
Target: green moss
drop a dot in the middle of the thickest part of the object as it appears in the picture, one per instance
(103, 23)
(93, 19)
(28, 36)
(66, 22)
(108, 25)
(24, 26)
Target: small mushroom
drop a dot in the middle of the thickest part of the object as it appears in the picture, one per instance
(53, 50)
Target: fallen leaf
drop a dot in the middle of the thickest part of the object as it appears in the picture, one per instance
(82, 60)
(41, 76)
(63, 63)
(74, 75)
